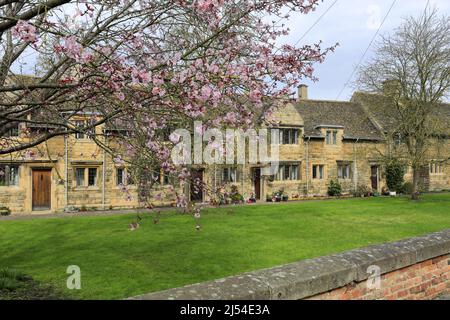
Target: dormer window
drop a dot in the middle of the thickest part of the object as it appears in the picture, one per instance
(80, 124)
(331, 137)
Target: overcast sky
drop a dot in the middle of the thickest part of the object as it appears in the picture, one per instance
(352, 23)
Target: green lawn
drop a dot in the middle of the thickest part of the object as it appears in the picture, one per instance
(117, 263)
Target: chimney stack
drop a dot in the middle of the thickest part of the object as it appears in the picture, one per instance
(302, 92)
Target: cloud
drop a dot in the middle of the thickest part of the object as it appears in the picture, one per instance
(352, 23)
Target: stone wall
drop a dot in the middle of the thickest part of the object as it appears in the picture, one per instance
(417, 268)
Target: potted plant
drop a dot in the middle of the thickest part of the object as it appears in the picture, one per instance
(236, 197)
(285, 198)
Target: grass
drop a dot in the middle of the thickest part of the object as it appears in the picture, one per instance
(117, 263)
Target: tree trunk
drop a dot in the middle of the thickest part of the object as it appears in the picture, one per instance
(415, 189)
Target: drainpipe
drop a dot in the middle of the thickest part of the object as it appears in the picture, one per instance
(307, 166)
(215, 178)
(355, 178)
(66, 170)
(243, 173)
(103, 179)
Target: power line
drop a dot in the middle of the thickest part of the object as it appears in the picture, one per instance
(367, 50)
(312, 26)
(426, 7)
(315, 23)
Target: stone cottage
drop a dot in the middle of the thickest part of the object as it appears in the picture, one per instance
(319, 141)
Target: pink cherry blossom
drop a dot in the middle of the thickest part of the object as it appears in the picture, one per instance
(25, 31)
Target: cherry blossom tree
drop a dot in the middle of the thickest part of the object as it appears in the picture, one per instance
(143, 66)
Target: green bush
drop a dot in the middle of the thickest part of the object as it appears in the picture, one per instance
(334, 189)
(407, 188)
(362, 190)
(235, 196)
(395, 172)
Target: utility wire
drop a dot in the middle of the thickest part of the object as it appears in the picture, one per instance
(312, 26)
(315, 23)
(367, 50)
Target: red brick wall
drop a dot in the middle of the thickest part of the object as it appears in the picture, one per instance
(425, 280)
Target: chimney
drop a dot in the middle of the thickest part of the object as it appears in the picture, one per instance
(302, 92)
(391, 87)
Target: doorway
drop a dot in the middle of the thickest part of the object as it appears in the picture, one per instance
(374, 177)
(196, 188)
(257, 183)
(42, 187)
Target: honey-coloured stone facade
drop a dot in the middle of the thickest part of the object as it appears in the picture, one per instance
(336, 140)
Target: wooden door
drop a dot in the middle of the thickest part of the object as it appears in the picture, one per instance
(374, 177)
(42, 184)
(197, 186)
(257, 183)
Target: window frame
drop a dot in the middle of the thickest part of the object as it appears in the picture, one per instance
(288, 172)
(126, 179)
(229, 175)
(344, 171)
(83, 178)
(331, 137)
(436, 167)
(89, 170)
(289, 136)
(318, 174)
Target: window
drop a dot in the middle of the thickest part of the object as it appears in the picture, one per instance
(318, 172)
(289, 136)
(92, 177)
(9, 175)
(398, 139)
(331, 137)
(288, 172)
(123, 176)
(79, 124)
(166, 179)
(436, 167)
(120, 174)
(344, 171)
(79, 176)
(159, 176)
(229, 174)
(12, 132)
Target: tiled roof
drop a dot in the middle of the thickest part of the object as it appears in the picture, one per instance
(382, 111)
(351, 116)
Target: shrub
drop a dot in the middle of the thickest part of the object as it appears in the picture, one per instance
(334, 189)
(235, 196)
(362, 190)
(395, 172)
(407, 188)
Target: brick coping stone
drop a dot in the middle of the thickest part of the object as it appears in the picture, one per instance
(310, 277)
